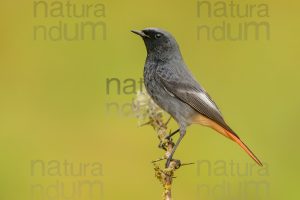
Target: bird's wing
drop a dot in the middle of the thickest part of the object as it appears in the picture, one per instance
(184, 87)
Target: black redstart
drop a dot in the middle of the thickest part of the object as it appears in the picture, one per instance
(172, 86)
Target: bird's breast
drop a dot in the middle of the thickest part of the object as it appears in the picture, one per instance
(149, 79)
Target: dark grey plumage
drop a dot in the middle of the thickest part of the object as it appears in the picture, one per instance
(169, 82)
(171, 85)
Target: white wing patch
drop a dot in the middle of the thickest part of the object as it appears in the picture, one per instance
(200, 95)
(205, 98)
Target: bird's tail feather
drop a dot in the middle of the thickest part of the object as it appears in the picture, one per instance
(227, 132)
(244, 146)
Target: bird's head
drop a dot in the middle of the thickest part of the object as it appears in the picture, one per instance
(159, 43)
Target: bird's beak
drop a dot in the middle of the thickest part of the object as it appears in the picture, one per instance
(140, 33)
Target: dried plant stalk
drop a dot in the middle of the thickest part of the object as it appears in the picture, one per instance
(148, 113)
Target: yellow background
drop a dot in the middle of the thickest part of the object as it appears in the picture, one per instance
(53, 100)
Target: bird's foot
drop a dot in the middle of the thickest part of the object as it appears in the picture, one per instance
(173, 163)
(164, 143)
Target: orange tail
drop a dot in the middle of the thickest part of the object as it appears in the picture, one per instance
(200, 119)
(248, 151)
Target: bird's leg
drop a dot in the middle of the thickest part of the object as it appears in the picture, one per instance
(182, 133)
(170, 135)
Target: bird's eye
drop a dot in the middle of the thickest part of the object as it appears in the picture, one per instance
(158, 35)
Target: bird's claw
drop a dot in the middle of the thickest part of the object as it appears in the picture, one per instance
(173, 163)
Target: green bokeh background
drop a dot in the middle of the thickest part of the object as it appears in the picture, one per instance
(53, 103)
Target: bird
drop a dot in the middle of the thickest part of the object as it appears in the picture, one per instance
(171, 85)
